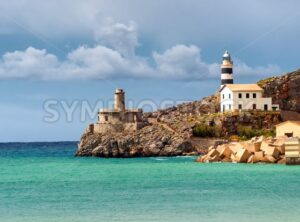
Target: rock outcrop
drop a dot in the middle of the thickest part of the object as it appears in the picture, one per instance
(284, 90)
(167, 133)
(152, 140)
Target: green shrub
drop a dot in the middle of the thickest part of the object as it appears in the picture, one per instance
(203, 130)
(247, 132)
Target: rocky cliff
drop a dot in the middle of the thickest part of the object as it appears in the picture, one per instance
(167, 133)
(152, 140)
(284, 90)
(170, 131)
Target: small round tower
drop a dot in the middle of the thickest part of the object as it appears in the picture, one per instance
(226, 69)
(119, 100)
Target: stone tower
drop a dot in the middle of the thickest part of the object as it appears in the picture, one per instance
(119, 100)
(226, 69)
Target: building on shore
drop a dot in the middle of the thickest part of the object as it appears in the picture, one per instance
(240, 97)
(119, 118)
(292, 151)
(288, 128)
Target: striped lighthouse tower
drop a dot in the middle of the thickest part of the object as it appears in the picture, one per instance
(226, 69)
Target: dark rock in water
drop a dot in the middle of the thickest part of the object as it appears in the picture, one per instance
(152, 140)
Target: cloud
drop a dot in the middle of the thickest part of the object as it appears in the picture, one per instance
(113, 57)
(183, 62)
(31, 63)
(101, 62)
(243, 69)
(123, 38)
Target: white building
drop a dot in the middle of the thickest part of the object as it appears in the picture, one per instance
(244, 97)
(240, 96)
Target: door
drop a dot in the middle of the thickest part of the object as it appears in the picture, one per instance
(254, 106)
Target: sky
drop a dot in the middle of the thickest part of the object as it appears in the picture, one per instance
(61, 60)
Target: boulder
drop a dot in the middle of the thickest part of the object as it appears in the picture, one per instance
(213, 159)
(259, 156)
(227, 160)
(210, 148)
(257, 146)
(233, 158)
(264, 145)
(242, 155)
(235, 147)
(281, 161)
(213, 153)
(225, 151)
(272, 151)
(252, 147)
(281, 149)
(220, 148)
(269, 159)
(252, 159)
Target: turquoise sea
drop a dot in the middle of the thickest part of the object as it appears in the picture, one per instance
(44, 182)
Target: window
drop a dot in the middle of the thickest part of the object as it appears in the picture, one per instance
(254, 106)
(229, 107)
(247, 95)
(254, 95)
(266, 107)
(240, 107)
(229, 96)
(106, 118)
(223, 95)
(240, 95)
(223, 108)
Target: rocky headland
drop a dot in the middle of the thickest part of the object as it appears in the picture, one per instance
(179, 130)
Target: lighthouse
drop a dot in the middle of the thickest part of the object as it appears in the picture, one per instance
(226, 69)
(119, 100)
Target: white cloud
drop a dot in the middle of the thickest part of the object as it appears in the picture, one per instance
(121, 37)
(182, 62)
(115, 58)
(31, 63)
(101, 62)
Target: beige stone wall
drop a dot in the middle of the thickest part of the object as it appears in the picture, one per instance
(111, 117)
(120, 117)
(108, 127)
(288, 127)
